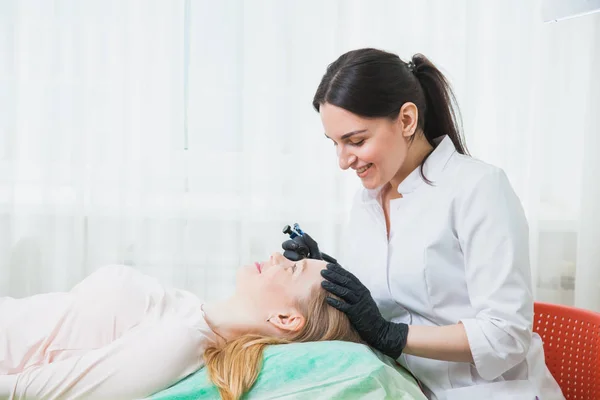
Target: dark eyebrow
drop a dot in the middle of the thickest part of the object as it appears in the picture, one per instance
(347, 135)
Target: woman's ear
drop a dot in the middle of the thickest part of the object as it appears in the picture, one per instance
(288, 322)
(408, 119)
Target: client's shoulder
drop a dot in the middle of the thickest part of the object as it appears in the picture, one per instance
(115, 278)
(118, 272)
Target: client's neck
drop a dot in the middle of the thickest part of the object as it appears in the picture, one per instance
(229, 318)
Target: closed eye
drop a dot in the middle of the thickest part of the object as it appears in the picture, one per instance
(358, 144)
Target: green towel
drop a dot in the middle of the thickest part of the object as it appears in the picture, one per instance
(316, 370)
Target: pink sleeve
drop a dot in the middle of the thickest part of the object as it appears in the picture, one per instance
(146, 360)
(25, 325)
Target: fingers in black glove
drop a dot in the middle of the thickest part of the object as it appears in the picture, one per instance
(328, 258)
(362, 311)
(338, 275)
(313, 247)
(292, 255)
(340, 305)
(295, 249)
(301, 247)
(340, 291)
(304, 247)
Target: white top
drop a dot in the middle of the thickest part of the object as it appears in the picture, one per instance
(457, 251)
(119, 334)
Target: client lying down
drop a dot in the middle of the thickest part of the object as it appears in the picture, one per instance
(120, 334)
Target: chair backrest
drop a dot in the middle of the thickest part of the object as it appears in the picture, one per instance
(571, 339)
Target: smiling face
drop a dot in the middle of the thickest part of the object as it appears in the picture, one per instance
(375, 148)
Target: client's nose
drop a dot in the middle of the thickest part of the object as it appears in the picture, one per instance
(278, 258)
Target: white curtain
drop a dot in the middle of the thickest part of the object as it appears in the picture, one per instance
(178, 136)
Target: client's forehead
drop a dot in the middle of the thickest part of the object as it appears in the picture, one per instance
(310, 263)
(312, 268)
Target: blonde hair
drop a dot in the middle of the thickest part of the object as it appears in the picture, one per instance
(235, 366)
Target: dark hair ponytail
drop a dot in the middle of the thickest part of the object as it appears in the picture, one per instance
(374, 83)
(441, 113)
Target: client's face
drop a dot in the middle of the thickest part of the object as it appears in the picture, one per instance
(278, 281)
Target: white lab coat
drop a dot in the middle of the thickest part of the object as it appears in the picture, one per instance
(457, 251)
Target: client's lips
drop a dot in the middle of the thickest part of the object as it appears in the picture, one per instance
(258, 266)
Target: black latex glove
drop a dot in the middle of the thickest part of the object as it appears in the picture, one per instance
(359, 306)
(304, 247)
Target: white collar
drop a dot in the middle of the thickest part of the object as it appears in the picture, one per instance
(434, 165)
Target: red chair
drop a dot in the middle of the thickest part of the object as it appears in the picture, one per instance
(571, 339)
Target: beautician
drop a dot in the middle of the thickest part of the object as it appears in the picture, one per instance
(436, 269)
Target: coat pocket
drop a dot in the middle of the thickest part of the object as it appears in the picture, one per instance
(507, 390)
